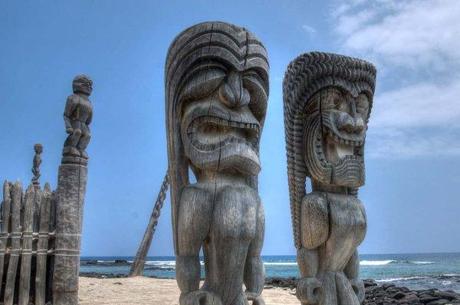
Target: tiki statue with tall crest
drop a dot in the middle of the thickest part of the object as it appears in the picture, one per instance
(327, 102)
(216, 97)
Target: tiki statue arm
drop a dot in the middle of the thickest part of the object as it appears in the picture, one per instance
(69, 109)
(314, 233)
(254, 271)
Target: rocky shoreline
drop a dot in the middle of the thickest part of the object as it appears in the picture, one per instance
(376, 294)
(387, 293)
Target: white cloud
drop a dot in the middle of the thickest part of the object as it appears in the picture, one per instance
(309, 29)
(421, 105)
(414, 32)
(419, 42)
(396, 143)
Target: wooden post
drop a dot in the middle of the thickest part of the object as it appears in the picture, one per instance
(42, 247)
(69, 212)
(137, 268)
(26, 257)
(6, 209)
(16, 194)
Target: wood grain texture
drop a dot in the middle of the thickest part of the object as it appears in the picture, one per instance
(327, 103)
(26, 254)
(6, 210)
(16, 203)
(69, 212)
(216, 98)
(42, 247)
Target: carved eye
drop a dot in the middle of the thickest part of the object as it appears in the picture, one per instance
(254, 77)
(339, 101)
(330, 99)
(257, 85)
(362, 105)
(202, 82)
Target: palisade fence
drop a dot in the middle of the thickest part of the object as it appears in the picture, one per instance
(27, 244)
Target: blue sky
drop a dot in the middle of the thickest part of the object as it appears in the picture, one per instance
(413, 148)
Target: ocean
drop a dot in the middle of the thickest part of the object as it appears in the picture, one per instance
(415, 271)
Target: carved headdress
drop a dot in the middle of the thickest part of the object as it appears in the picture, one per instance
(198, 61)
(305, 76)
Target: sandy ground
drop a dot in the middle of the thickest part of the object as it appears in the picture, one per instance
(148, 291)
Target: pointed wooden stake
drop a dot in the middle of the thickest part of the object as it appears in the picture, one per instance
(137, 268)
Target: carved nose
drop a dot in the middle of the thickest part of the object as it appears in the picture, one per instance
(359, 124)
(232, 93)
(345, 122)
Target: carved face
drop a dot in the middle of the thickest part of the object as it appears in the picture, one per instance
(82, 84)
(335, 143)
(38, 148)
(219, 129)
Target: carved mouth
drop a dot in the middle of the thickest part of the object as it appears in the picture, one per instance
(337, 149)
(209, 133)
(220, 139)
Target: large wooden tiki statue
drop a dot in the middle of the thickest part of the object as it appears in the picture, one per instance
(327, 102)
(216, 98)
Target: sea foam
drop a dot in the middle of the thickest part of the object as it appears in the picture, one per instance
(376, 263)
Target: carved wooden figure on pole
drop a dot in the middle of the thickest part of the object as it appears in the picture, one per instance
(327, 102)
(38, 148)
(216, 98)
(70, 193)
(78, 114)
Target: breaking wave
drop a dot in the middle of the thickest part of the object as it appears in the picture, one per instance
(391, 261)
(377, 263)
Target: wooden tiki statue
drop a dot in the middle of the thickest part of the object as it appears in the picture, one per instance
(216, 97)
(327, 102)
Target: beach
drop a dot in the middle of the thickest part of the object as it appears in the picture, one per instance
(149, 291)
(415, 271)
(144, 291)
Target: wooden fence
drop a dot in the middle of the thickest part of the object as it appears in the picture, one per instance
(26, 245)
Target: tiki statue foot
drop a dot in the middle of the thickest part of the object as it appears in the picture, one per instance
(199, 297)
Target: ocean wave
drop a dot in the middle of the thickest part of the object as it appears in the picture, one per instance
(451, 275)
(377, 263)
(392, 261)
(280, 263)
(172, 264)
(400, 279)
(167, 264)
(420, 263)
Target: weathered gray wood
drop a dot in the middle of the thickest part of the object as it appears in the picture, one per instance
(216, 95)
(137, 268)
(38, 148)
(327, 102)
(42, 247)
(6, 209)
(69, 211)
(70, 193)
(26, 254)
(15, 235)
